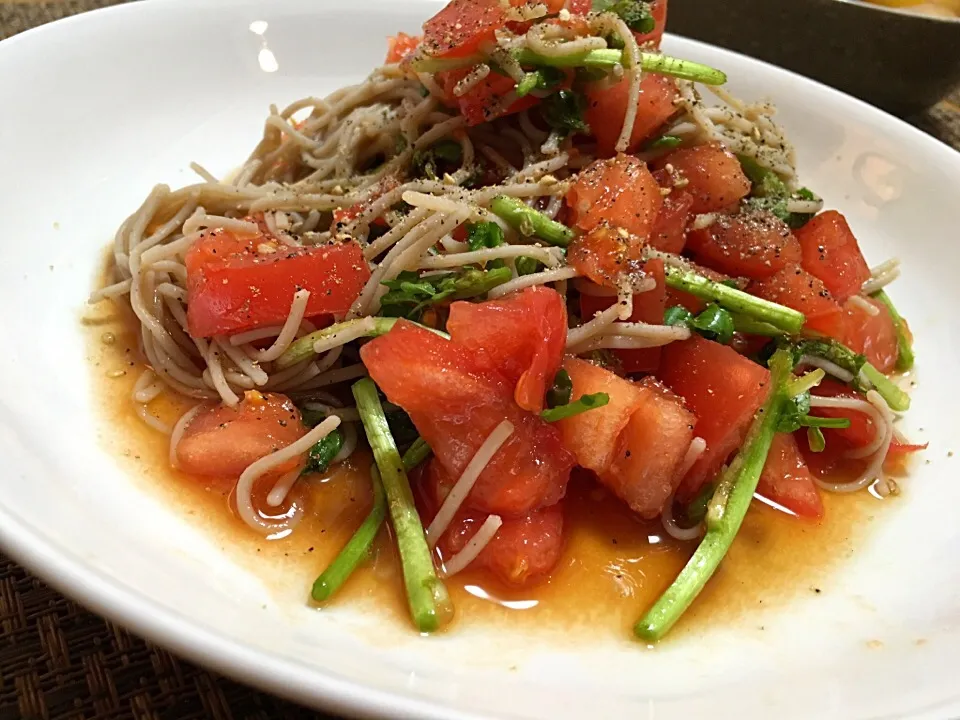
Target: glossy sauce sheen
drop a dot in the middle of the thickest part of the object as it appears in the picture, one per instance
(613, 566)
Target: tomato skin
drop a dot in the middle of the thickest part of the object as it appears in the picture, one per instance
(831, 253)
(400, 47)
(605, 253)
(455, 401)
(232, 286)
(522, 336)
(482, 103)
(796, 288)
(461, 27)
(650, 450)
(222, 441)
(607, 107)
(620, 191)
(723, 389)
(670, 229)
(787, 480)
(524, 551)
(755, 245)
(592, 436)
(713, 174)
(874, 336)
(648, 307)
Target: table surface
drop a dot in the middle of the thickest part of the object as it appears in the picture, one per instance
(58, 660)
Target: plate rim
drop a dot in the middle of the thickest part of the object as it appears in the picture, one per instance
(110, 598)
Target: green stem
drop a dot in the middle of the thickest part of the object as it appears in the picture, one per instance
(430, 604)
(804, 383)
(726, 510)
(606, 58)
(527, 221)
(416, 454)
(905, 355)
(302, 348)
(357, 547)
(896, 398)
(785, 319)
(580, 405)
(749, 326)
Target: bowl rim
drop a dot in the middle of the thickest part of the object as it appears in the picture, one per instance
(867, 5)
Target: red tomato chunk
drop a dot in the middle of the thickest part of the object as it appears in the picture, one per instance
(754, 245)
(521, 336)
(221, 441)
(237, 283)
(787, 481)
(723, 389)
(796, 288)
(456, 400)
(607, 108)
(619, 191)
(831, 253)
(710, 173)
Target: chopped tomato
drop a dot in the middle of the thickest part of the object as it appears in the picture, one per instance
(796, 288)
(237, 283)
(658, 9)
(899, 448)
(484, 101)
(592, 435)
(222, 441)
(723, 389)
(605, 253)
(579, 7)
(400, 47)
(831, 253)
(754, 245)
(650, 450)
(711, 173)
(787, 480)
(455, 401)
(648, 307)
(523, 551)
(620, 191)
(670, 229)
(607, 108)
(462, 26)
(874, 336)
(522, 336)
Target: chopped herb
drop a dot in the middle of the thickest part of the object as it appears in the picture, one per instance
(527, 265)
(677, 316)
(815, 440)
(323, 452)
(664, 142)
(443, 156)
(714, 323)
(563, 111)
(635, 13)
(484, 235)
(561, 390)
(905, 356)
(771, 194)
(409, 294)
(542, 79)
(580, 405)
(418, 451)
(796, 414)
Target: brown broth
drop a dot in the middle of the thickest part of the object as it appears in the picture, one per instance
(613, 565)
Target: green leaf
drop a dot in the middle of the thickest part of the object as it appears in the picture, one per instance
(664, 142)
(542, 80)
(815, 439)
(323, 452)
(409, 294)
(441, 157)
(528, 265)
(635, 13)
(561, 390)
(563, 111)
(484, 235)
(714, 323)
(677, 316)
(581, 405)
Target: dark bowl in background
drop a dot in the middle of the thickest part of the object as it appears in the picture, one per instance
(900, 61)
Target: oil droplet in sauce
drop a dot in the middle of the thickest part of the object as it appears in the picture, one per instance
(613, 567)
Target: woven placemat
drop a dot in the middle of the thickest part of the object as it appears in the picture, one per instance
(59, 661)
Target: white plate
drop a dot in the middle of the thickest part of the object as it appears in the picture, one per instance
(100, 107)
